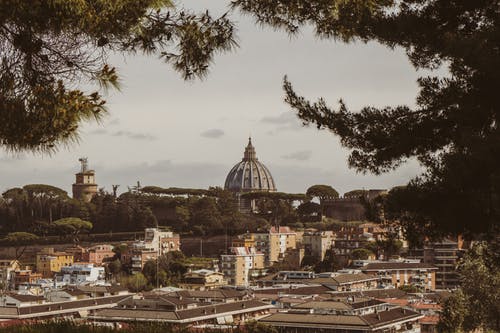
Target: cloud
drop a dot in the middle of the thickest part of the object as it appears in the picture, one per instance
(99, 131)
(213, 133)
(287, 121)
(135, 136)
(113, 122)
(302, 155)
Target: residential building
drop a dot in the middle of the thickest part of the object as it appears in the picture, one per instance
(420, 275)
(7, 275)
(273, 244)
(179, 310)
(157, 242)
(316, 243)
(49, 261)
(78, 252)
(17, 300)
(26, 277)
(333, 281)
(226, 295)
(202, 279)
(241, 265)
(98, 253)
(396, 320)
(280, 240)
(445, 256)
(81, 274)
(19, 307)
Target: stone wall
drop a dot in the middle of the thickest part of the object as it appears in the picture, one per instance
(344, 209)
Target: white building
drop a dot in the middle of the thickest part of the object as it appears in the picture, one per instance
(81, 274)
(159, 241)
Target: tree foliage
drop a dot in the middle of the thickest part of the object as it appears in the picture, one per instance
(51, 48)
(361, 254)
(452, 131)
(322, 192)
(72, 226)
(476, 305)
(19, 240)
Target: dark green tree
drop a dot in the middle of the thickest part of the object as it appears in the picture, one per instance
(361, 253)
(309, 211)
(453, 130)
(476, 305)
(72, 226)
(322, 193)
(48, 47)
(19, 240)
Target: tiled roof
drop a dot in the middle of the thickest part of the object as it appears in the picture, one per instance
(376, 266)
(26, 298)
(350, 278)
(125, 314)
(385, 317)
(188, 315)
(429, 320)
(376, 293)
(216, 293)
(282, 230)
(219, 308)
(329, 305)
(56, 308)
(309, 290)
(292, 319)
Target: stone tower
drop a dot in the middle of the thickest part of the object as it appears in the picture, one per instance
(85, 186)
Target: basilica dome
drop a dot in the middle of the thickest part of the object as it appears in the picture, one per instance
(250, 175)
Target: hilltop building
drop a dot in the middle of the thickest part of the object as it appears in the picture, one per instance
(85, 186)
(249, 175)
(350, 207)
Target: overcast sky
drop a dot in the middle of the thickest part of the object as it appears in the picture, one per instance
(166, 132)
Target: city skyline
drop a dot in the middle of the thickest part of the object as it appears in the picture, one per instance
(158, 134)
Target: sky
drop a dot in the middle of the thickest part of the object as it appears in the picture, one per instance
(166, 132)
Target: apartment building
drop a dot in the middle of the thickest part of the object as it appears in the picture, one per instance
(241, 265)
(49, 262)
(77, 274)
(203, 279)
(420, 275)
(445, 256)
(157, 242)
(316, 243)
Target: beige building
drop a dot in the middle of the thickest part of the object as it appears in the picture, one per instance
(316, 243)
(203, 279)
(242, 265)
(273, 244)
(49, 261)
(85, 186)
(420, 275)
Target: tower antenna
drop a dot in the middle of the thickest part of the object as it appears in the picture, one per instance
(84, 163)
